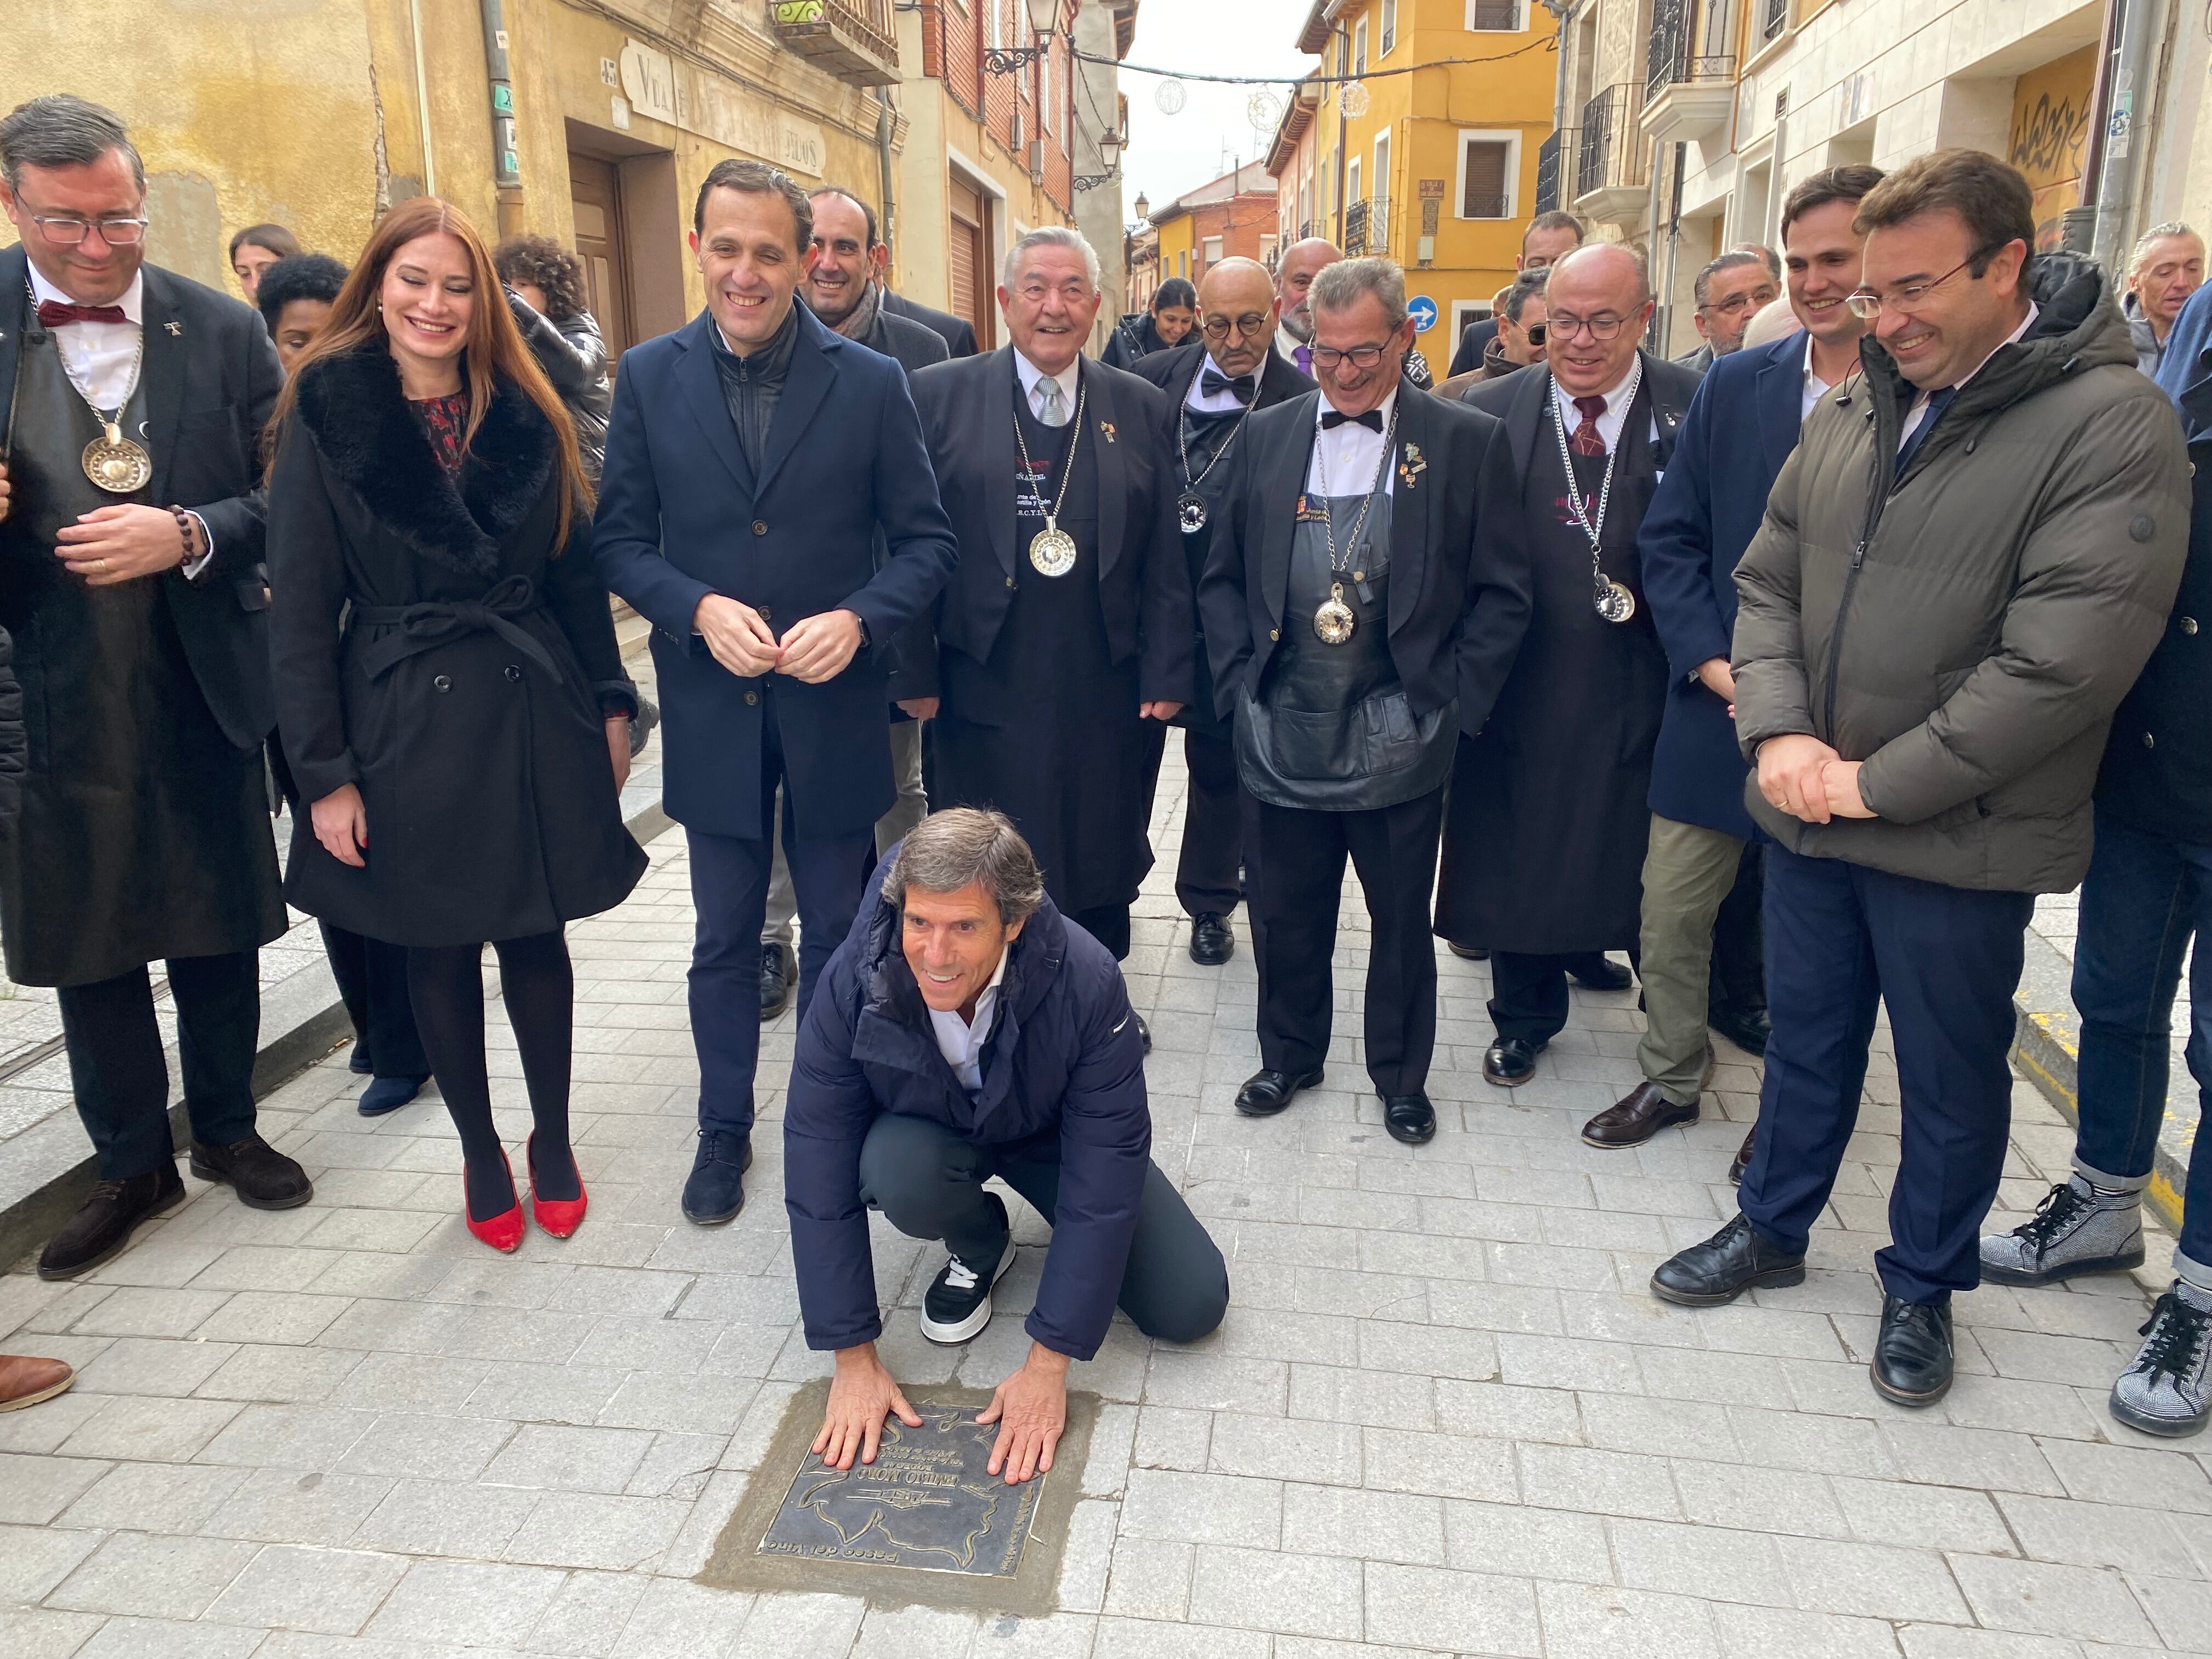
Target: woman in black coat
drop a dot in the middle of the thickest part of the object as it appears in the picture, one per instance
(448, 685)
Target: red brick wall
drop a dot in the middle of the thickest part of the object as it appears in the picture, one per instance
(1240, 224)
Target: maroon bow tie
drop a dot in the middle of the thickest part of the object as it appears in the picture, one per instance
(52, 313)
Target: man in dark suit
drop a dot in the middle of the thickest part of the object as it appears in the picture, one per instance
(130, 527)
(1216, 381)
(1064, 638)
(1545, 835)
(1550, 238)
(1359, 618)
(1741, 428)
(755, 463)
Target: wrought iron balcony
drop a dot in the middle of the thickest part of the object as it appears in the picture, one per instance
(855, 40)
(1689, 81)
(1777, 19)
(1547, 168)
(1610, 177)
(1367, 226)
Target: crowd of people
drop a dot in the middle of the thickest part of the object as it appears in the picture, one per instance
(1792, 670)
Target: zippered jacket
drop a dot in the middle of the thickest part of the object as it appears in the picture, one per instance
(1967, 628)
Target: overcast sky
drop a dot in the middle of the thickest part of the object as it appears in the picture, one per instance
(1169, 155)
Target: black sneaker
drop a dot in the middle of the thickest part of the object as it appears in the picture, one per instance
(2166, 1391)
(105, 1224)
(958, 1305)
(263, 1178)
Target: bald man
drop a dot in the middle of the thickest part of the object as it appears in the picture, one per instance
(1228, 368)
(1545, 834)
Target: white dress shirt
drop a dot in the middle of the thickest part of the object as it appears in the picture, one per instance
(100, 356)
(960, 1041)
(1216, 403)
(1814, 388)
(1919, 412)
(1032, 377)
(1351, 452)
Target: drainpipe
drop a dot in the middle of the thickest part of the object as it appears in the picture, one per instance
(2116, 177)
(884, 125)
(2078, 224)
(422, 97)
(506, 163)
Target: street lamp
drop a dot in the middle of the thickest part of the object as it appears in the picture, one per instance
(1144, 208)
(1043, 16)
(1110, 150)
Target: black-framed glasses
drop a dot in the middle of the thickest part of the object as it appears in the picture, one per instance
(1364, 357)
(1250, 326)
(1535, 333)
(1866, 305)
(1601, 328)
(67, 230)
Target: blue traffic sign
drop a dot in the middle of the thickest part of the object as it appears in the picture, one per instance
(1422, 310)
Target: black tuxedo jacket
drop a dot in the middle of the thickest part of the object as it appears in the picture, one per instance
(1459, 596)
(1144, 589)
(957, 333)
(211, 379)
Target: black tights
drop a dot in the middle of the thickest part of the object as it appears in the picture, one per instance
(446, 984)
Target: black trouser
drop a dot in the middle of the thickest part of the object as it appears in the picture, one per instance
(121, 1080)
(1739, 972)
(1294, 879)
(1212, 827)
(1109, 924)
(928, 1183)
(1528, 992)
(371, 978)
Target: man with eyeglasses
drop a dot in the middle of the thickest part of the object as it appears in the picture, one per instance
(1215, 382)
(130, 528)
(1544, 835)
(1360, 613)
(1962, 568)
(1064, 640)
(1729, 292)
(1549, 239)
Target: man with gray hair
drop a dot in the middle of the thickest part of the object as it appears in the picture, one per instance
(1064, 642)
(965, 1031)
(2165, 267)
(1730, 292)
(130, 529)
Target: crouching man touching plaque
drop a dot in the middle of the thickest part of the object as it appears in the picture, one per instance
(966, 1029)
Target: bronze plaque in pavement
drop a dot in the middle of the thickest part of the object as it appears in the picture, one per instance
(926, 1503)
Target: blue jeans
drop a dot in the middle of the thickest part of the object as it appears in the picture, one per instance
(2145, 898)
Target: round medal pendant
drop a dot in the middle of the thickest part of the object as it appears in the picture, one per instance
(1615, 603)
(1052, 550)
(1190, 512)
(1333, 620)
(116, 465)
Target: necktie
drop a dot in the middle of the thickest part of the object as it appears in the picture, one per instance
(1241, 387)
(1051, 409)
(53, 314)
(1302, 355)
(1937, 402)
(1331, 419)
(1587, 440)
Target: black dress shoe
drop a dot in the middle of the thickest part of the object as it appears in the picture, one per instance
(1512, 1060)
(1640, 1114)
(1748, 1029)
(1467, 952)
(104, 1225)
(1211, 944)
(715, 1190)
(1145, 1032)
(1598, 972)
(1912, 1353)
(779, 980)
(1742, 1159)
(1409, 1118)
(1266, 1093)
(263, 1178)
(1724, 1267)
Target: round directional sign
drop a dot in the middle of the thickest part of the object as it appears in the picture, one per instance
(1422, 310)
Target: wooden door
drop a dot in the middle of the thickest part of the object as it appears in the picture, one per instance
(969, 265)
(594, 190)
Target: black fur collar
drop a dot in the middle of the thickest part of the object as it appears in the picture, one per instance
(353, 408)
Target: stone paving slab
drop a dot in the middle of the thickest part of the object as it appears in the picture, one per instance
(1443, 1416)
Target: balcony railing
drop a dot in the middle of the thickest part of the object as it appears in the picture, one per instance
(1610, 156)
(1777, 19)
(1547, 169)
(1367, 226)
(1689, 43)
(856, 40)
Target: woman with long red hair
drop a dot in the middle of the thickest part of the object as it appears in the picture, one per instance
(450, 692)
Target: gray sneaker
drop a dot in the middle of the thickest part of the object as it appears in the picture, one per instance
(2072, 1232)
(2165, 1391)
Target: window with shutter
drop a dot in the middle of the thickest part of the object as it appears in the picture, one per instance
(1505, 15)
(1484, 195)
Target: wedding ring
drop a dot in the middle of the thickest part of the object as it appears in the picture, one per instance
(100, 564)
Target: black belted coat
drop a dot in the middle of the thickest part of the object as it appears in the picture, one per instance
(433, 644)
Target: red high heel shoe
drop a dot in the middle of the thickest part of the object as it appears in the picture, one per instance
(503, 1232)
(558, 1216)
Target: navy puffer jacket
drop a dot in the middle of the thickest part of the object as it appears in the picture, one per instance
(1063, 1078)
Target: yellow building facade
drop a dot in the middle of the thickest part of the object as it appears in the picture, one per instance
(1433, 159)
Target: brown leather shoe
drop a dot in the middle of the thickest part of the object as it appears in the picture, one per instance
(24, 1381)
(1637, 1116)
(1743, 1161)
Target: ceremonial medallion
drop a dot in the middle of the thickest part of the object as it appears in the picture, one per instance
(1333, 620)
(1190, 512)
(1615, 603)
(1052, 550)
(116, 465)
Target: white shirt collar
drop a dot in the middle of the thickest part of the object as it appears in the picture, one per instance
(133, 300)
(1609, 424)
(1387, 407)
(961, 1041)
(1029, 375)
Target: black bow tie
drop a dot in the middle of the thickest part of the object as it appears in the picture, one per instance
(1241, 387)
(1333, 418)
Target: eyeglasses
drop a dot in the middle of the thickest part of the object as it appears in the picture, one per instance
(67, 231)
(1249, 324)
(1600, 328)
(1736, 304)
(1866, 305)
(1535, 333)
(1364, 356)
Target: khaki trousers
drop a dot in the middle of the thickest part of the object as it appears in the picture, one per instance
(1688, 871)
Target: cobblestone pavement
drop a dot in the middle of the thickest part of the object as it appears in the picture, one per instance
(1444, 1415)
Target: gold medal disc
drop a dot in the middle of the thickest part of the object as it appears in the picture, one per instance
(116, 465)
(1615, 603)
(1052, 550)
(1333, 620)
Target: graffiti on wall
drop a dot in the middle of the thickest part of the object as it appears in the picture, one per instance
(2049, 136)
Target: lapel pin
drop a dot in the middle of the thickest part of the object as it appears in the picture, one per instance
(1106, 430)
(176, 330)
(1411, 466)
